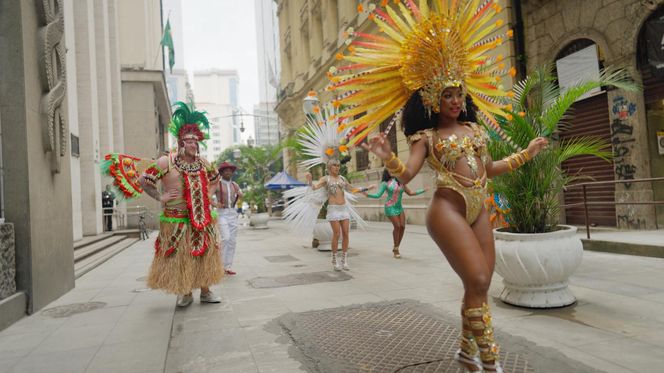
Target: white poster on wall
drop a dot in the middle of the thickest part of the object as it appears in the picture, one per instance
(578, 67)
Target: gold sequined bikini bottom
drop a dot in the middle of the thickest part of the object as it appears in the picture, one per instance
(473, 195)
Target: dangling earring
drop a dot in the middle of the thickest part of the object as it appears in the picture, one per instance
(181, 151)
(463, 107)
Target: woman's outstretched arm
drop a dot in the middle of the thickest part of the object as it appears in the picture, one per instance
(380, 146)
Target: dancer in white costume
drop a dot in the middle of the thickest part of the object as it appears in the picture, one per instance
(322, 140)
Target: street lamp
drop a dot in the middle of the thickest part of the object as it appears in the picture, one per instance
(309, 103)
(241, 125)
(237, 154)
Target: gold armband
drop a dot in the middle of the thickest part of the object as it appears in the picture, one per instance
(393, 157)
(519, 159)
(396, 170)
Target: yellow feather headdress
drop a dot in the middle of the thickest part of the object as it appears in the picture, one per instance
(422, 48)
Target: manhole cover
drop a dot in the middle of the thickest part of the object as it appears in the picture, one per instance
(299, 279)
(393, 337)
(71, 309)
(281, 258)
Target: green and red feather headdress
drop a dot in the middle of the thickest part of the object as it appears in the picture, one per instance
(189, 123)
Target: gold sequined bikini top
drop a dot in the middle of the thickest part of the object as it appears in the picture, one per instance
(449, 150)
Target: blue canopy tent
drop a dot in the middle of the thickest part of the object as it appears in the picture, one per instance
(281, 181)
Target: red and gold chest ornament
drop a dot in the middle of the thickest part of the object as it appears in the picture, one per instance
(195, 178)
(122, 168)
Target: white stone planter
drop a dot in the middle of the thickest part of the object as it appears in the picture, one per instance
(259, 221)
(323, 234)
(536, 267)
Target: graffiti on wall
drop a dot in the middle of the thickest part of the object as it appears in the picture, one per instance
(622, 138)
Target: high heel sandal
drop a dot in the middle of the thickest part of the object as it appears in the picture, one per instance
(395, 252)
(489, 350)
(467, 354)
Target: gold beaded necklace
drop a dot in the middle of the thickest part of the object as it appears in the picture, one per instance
(182, 166)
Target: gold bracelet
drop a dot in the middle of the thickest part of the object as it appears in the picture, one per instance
(519, 159)
(392, 159)
(526, 154)
(509, 163)
(389, 165)
(399, 171)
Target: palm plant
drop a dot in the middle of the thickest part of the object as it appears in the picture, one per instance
(539, 108)
(256, 165)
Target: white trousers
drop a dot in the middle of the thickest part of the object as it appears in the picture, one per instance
(227, 220)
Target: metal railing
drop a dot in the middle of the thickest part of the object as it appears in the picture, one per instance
(122, 216)
(587, 203)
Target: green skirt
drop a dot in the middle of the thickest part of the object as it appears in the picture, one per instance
(394, 210)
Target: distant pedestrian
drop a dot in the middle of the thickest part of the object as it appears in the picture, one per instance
(108, 203)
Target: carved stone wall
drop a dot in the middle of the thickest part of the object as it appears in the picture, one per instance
(7, 261)
(52, 68)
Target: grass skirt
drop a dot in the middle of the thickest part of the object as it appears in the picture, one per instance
(180, 272)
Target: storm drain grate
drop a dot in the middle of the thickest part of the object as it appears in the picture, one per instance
(393, 337)
(298, 279)
(281, 258)
(71, 309)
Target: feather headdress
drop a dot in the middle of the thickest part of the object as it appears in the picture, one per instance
(421, 48)
(188, 123)
(323, 137)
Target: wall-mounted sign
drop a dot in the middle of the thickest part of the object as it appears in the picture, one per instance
(660, 142)
(75, 152)
(578, 67)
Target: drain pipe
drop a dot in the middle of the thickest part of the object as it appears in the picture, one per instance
(519, 39)
(2, 180)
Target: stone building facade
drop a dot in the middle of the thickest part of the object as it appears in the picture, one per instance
(75, 84)
(310, 36)
(631, 120)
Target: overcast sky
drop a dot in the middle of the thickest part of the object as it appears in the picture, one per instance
(222, 34)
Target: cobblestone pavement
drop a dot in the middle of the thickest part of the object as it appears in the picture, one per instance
(287, 311)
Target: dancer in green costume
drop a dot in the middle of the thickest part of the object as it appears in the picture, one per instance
(393, 208)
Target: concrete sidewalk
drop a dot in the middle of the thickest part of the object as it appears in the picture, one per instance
(111, 323)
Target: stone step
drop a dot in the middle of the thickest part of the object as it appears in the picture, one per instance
(91, 262)
(627, 248)
(88, 240)
(83, 252)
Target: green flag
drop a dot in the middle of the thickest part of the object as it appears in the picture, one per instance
(167, 41)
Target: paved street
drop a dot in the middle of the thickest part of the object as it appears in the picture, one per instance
(285, 308)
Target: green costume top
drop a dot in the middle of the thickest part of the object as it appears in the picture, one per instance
(394, 192)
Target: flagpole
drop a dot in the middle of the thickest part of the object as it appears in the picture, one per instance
(161, 47)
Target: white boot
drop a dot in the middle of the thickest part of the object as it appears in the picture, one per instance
(344, 262)
(335, 263)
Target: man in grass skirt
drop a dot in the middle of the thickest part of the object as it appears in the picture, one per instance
(187, 250)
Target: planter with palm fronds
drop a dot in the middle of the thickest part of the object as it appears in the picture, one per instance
(535, 271)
